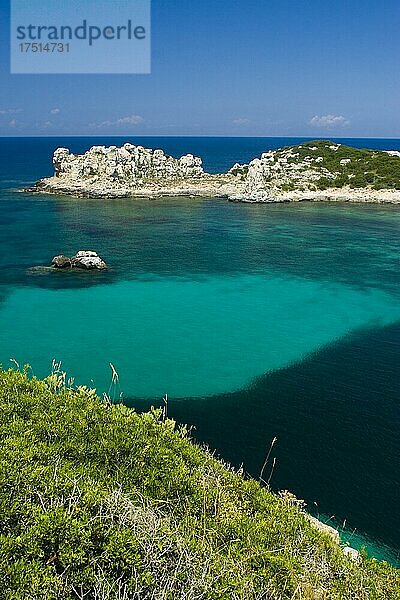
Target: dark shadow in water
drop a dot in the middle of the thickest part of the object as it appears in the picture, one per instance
(41, 276)
(68, 279)
(337, 419)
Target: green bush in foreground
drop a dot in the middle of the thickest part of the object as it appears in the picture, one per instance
(98, 502)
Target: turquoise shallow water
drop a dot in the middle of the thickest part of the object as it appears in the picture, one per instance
(185, 337)
(257, 321)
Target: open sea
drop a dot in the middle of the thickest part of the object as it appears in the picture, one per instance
(257, 320)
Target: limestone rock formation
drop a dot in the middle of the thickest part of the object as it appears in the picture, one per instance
(84, 259)
(61, 262)
(352, 553)
(331, 531)
(266, 178)
(129, 164)
(129, 171)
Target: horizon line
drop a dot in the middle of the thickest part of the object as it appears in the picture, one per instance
(200, 136)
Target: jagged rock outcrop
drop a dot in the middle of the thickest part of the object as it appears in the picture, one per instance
(130, 171)
(266, 177)
(319, 170)
(84, 259)
(61, 262)
(129, 164)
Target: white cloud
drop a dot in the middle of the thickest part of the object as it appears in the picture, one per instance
(10, 111)
(131, 120)
(55, 111)
(329, 121)
(241, 121)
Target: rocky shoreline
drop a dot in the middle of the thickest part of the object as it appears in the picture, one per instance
(345, 194)
(284, 175)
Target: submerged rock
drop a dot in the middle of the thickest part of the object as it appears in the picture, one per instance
(40, 270)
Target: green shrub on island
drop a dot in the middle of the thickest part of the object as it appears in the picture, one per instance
(100, 502)
(341, 165)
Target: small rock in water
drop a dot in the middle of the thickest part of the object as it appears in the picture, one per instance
(86, 259)
(61, 262)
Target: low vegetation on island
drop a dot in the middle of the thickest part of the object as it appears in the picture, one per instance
(357, 167)
(98, 502)
(321, 164)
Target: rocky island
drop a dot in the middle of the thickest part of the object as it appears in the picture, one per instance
(316, 170)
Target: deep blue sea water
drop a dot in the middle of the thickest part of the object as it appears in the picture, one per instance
(257, 320)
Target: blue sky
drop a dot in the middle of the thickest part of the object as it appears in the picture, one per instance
(227, 67)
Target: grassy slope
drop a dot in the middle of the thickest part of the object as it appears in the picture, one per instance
(373, 168)
(101, 501)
